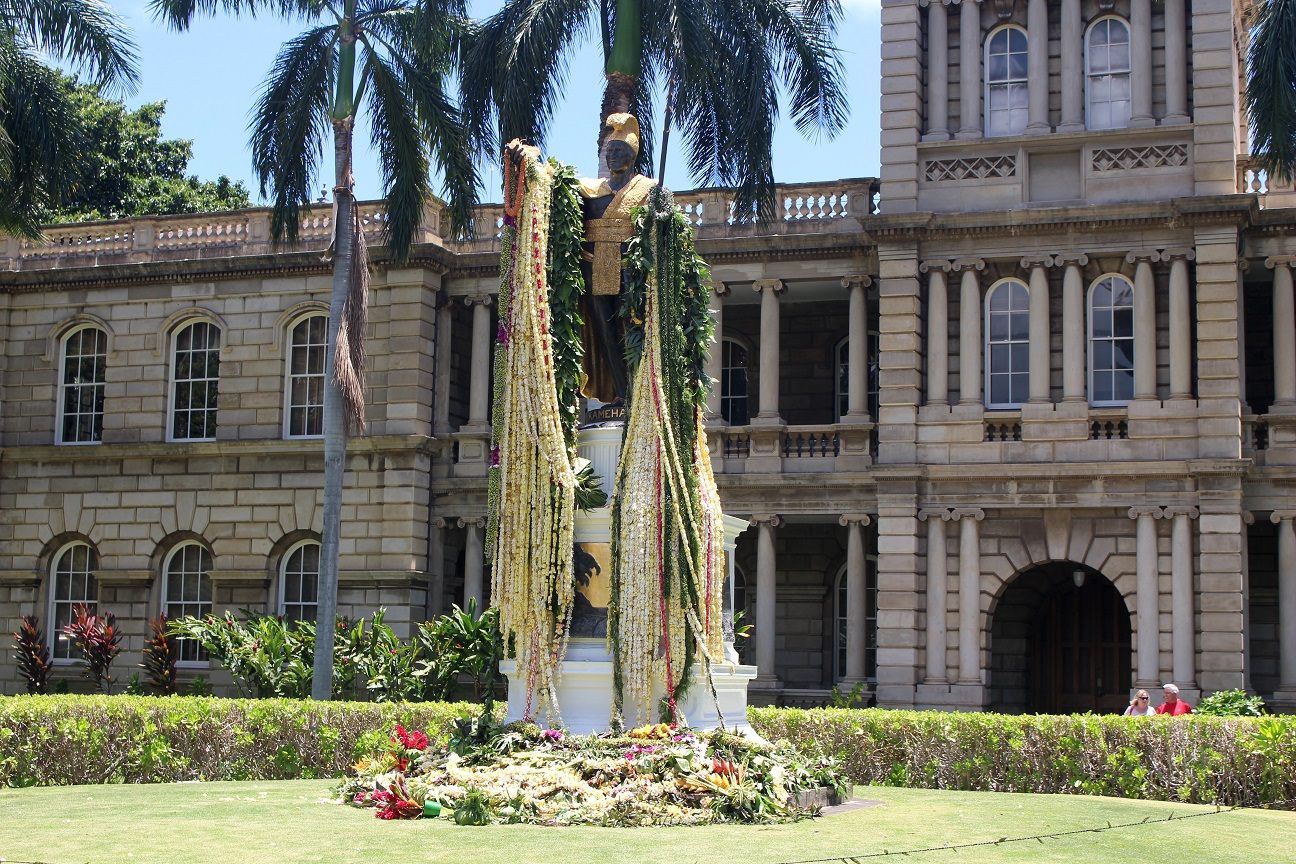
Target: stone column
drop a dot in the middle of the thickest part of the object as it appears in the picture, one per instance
(970, 347)
(1145, 335)
(1037, 57)
(1284, 331)
(1141, 63)
(970, 69)
(857, 348)
(856, 596)
(937, 589)
(715, 358)
(479, 385)
(1180, 324)
(937, 72)
(1176, 64)
(436, 565)
(1147, 663)
(1074, 373)
(474, 560)
(1072, 80)
(770, 291)
(1181, 591)
(937, 331)
(1286, 522)
(1041, 343)
(441, 387)
(969, 620)
(766, 598)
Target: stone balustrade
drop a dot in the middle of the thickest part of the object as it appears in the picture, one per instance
(799, 208)
(1255, 180)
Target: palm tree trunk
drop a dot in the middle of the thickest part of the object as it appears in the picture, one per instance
(624, 62)
(334, 410)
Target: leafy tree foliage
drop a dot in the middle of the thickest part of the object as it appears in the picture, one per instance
(128, 169)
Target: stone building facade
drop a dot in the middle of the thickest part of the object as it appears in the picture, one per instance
(1014, 424)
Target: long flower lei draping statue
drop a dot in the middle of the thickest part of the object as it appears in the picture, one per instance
(668, 571)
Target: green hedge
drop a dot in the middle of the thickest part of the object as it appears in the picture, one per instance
(1234, 760)
(61, 740)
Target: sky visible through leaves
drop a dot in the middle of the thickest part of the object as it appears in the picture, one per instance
(209, 78)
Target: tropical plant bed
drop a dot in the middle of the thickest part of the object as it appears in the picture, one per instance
(653, 775)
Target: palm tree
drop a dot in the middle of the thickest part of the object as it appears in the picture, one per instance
(722, 64)
(1271, 86)
(395, 58)
(40, 129)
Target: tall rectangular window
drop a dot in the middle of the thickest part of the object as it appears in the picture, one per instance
(186, 590)
(305, 391)
(1007, 103)
(72, 584)
(81, 387)
(1107, 78)
(196, 376)
(299, 582)
(1111, 341)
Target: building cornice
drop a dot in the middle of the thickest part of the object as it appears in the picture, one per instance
(50, 453)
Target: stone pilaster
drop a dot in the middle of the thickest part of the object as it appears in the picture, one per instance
(856, 598)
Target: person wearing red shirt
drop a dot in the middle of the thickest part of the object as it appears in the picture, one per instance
(1173, 705)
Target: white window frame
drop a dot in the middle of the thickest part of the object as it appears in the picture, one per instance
(726, 401)
(841, 363)
(54, 635)
(64, 387)
(1010, 82)
(281, 603)
(841, 621)
(1089, 339)
(172, 381)
(289, 377)
(184, 646)
(987, 343)
(1089, 75)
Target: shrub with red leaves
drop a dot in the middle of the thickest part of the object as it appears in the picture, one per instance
(98, 638)
(160, 658)
(33, 654)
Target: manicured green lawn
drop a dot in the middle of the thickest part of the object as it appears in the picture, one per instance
(291, 822)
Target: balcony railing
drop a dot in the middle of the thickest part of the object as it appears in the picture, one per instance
(1253, 179)
(801, 208)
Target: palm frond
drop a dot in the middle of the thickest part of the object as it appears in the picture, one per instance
(41, 122)
(289, 124)
(1271, 87)
(85, 34)
(180, 14)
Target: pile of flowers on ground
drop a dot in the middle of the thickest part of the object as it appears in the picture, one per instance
(653, 775)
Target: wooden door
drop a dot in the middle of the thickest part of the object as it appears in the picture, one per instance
(1081, 656)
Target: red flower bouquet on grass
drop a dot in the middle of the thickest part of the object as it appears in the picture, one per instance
(406, 746)
(395, 801)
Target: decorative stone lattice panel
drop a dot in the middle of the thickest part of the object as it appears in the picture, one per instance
(974, 168)
(1131, 158)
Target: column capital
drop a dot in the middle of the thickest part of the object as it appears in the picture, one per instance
(1279, 516)
(439, 522)
(1248, 517)
(478, 300)
(1273, 262)
(959, 265)
(472, 521)
(1156, 512)
(931, 264)
(1029, 262)
(1185, 253)
(772, 519)
(1071, 259)
(860, 280)
(776, 286)
(974, 513)
(1143, 256)
(848, 519)
(1190, 512)
(933, 513)
(721, 289)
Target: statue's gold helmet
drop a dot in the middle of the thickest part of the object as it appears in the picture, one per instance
(622, 127)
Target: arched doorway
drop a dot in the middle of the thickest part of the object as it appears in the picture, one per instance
(1060, 643)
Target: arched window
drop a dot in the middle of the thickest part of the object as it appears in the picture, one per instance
(304, 392)
(1007, 101)
(841, 620)
(299, 582)
(1007, 368)
(1107, 74)
(186, 590)
(81, 386)
(733, 383)
(841, 392)
(1111, 341)
(72, 584)
(195, 376)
